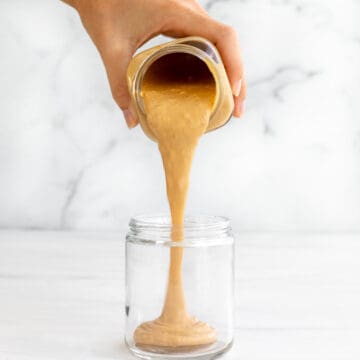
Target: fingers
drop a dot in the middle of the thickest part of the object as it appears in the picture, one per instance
(130, 117)
(186, 21)
(229, 48)
(116, 59)
(239, 101)
(224, 37)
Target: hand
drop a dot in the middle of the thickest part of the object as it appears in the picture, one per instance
(119, 27)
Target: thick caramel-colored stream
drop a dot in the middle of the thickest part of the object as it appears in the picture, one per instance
(178, 92)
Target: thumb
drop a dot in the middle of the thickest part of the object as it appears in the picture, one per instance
(116, 60)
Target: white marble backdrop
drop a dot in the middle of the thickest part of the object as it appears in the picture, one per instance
(67, 160)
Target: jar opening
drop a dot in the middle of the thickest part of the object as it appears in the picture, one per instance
(186, 55)
(196, 230)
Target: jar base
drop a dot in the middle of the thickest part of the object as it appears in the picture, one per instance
(205, 352)
(159, 336)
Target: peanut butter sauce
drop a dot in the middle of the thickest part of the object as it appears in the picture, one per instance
(178, 91)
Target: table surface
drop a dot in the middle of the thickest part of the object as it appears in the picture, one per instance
(62, 296)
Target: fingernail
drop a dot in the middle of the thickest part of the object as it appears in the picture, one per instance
(236, 88)
(239, 108)
(242, 107)
(130, 119)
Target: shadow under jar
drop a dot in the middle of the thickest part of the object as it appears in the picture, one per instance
(206, 282)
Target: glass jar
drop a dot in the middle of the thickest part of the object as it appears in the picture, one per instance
(193, 46)
(207, 279)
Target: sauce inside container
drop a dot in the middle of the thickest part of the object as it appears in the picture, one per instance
(182, 97)
(179, 93)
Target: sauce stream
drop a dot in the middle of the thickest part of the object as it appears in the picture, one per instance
(178, 91)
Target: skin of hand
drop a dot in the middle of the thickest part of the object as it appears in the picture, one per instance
(119, 27)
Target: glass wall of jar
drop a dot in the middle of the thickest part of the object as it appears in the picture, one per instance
(207, 283)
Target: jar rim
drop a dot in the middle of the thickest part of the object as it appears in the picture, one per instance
(192, 222)
(177, 48)
(197, 230)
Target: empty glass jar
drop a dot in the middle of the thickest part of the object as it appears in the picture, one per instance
(205, 279)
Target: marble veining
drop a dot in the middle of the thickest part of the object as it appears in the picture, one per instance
(283, 77)
(67, 160)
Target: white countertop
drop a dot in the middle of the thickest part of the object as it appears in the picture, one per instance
(62, 296)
